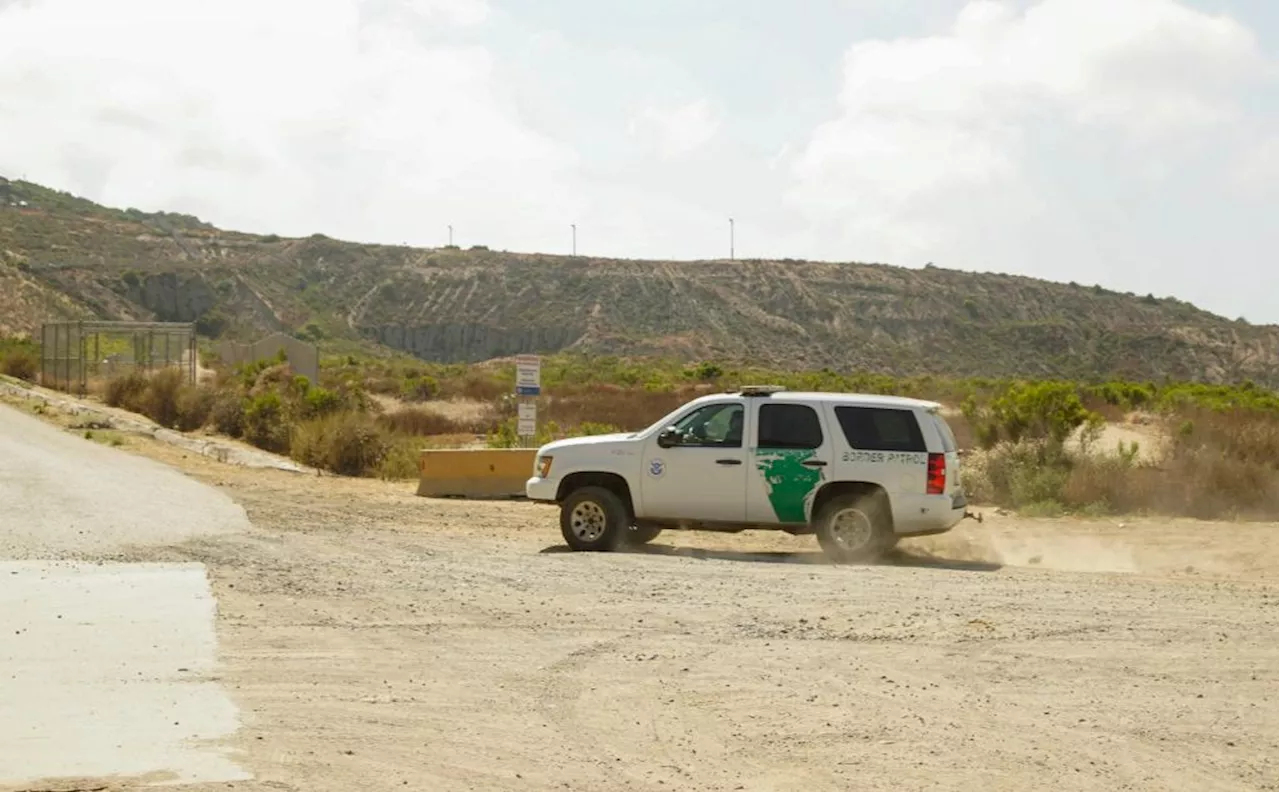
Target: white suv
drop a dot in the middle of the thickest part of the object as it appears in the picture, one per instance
(859, 471)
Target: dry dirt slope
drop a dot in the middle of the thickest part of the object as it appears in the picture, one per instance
(478, 304)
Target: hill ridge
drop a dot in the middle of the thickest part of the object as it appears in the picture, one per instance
(64, 256)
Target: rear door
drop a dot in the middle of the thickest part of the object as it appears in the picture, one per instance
(885, 445)
(790, 456)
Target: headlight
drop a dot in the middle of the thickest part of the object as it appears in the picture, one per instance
(544, 466)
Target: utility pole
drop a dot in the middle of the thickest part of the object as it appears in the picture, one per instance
(450, 236)
(731, 239)
(574, 228)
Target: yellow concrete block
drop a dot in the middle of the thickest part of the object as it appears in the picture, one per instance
(479, 473)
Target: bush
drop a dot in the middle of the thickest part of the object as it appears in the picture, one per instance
(318, 402)
(264, 423)
(195, 406)
(20, 363)
(159, 400)
(504, 435)
(419, 388)
(125, 391)
(226, 414)
(1032, 411)
(347, 443)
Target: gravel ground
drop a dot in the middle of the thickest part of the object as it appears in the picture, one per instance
(374, 640)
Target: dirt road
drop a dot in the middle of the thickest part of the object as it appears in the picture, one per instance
(374, 640)
(105, 667)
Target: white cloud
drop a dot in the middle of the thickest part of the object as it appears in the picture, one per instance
(1254, 168)
(680, 130)
(291, 116)
(970, 147)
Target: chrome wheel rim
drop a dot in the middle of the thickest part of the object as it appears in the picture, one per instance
(587, 521)
(851, 529)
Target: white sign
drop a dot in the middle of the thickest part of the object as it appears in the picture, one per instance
(528, 375)
(527, 421)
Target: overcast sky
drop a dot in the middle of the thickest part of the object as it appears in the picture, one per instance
(1131, 143)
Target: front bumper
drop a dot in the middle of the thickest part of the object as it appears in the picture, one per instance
(541, 489)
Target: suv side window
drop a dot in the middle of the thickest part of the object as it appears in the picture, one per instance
(880, 429)
(715, 425)
(944, 429)
(789, 426)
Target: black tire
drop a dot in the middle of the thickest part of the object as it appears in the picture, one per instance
(642, 534)
(855, 528)
(593, 519)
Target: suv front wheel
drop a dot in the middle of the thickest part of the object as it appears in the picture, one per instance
(855, 527)
(593, 519)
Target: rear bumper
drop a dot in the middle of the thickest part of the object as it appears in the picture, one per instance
(925, 515)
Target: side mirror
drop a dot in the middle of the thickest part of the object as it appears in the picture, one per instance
(668, 437)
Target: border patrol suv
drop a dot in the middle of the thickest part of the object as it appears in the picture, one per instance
(858, 471)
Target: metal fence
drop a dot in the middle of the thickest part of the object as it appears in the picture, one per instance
(73, 353)
(304, 358)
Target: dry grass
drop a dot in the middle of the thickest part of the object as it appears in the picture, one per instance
(1213, 465)
(20, 363)
(424, 422)
(629, 409)
(347, 443)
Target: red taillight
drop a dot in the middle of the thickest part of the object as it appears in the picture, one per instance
(937, 484)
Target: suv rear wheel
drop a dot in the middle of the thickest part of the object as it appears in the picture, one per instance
(593, 519)
(855, 527)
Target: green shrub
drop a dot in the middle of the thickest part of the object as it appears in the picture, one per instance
(1031, 411)
(419, 388)
(504, 435)
(264, 423)
(320, 401)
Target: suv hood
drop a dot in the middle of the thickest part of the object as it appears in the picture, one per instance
(580, 442)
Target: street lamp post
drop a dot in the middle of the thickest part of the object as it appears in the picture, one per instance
(573, 227)
(731, 239)
(450, 236)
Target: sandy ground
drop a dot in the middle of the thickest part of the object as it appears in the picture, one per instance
(375, 640)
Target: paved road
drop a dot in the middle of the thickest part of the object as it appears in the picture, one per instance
(62, 496)
(105, 668)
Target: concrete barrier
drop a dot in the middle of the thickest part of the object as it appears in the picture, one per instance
(480, 473)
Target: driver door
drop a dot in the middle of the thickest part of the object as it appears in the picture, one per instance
(703, 477)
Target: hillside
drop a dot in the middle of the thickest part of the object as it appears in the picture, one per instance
(65, 257)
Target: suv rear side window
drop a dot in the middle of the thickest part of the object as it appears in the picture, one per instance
(880, 429)
(789, 426)
(944, 429)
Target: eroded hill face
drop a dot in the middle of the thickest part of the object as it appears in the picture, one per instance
(62, 257)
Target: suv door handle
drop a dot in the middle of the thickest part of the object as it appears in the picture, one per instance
(728, 461)
(814, 463)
